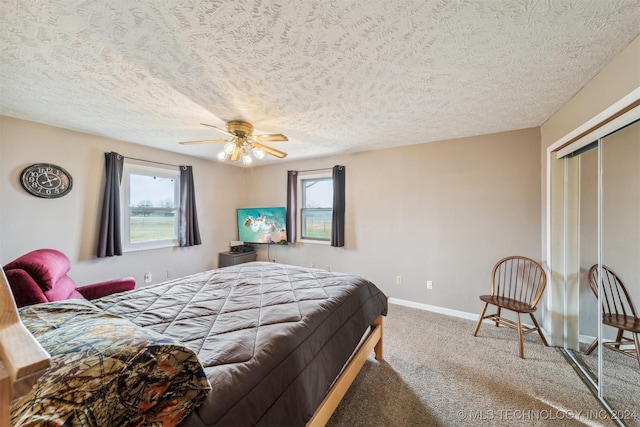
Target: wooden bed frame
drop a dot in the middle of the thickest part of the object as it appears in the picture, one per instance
(373, 342)
(23, 360)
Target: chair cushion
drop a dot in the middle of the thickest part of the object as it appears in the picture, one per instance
(65, 289)
(45, 266)
(25, 290)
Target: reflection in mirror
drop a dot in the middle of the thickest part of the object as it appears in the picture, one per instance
(620, 251)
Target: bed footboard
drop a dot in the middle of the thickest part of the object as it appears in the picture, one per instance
(23, 358)
(373, 342)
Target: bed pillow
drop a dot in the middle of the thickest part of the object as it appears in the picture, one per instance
(105, 370)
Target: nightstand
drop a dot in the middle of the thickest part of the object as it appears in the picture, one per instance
(226, 259)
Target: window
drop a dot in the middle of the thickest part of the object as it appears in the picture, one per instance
(316, 207)
(150, 199)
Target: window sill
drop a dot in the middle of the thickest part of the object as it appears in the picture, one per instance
(315, 242)
(159, 245)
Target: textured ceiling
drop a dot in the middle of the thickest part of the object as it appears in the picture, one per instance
(335, 76)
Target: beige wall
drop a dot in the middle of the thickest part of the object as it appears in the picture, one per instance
(443, 211)
(70, 223)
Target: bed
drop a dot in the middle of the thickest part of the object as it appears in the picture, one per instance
(275, 344)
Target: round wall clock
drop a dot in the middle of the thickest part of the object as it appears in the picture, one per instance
(46, 180)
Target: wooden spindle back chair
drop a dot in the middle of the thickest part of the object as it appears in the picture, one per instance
(517, 284)
(618, 311)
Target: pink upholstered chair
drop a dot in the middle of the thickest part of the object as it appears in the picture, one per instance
(41, 276)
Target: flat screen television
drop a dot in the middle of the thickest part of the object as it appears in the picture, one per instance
(262, 225)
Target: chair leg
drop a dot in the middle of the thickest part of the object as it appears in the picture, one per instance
(520, 343)
(484, 309)
(544, 340)
(619, 337)
(592, 347)
(497, 319)
(636, 338)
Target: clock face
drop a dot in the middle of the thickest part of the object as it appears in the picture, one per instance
(46, 180)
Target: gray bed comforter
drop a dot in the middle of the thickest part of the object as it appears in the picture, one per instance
(271, 337)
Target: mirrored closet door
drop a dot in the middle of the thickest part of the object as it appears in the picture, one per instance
(606, 200)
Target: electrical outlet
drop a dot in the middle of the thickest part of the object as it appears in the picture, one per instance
(429, 284)
(398, 280)
(169, 274)
(147, 277)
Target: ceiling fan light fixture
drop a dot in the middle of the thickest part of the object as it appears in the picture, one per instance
(222, 155)
(258, 153)
(246, 159)
(229, 147)
(243, 143)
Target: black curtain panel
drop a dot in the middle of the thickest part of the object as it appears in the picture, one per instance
(109, 237)
(189, 234)
(337, 219)
(292, 205)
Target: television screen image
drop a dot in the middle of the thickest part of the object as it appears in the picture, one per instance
(262, 225)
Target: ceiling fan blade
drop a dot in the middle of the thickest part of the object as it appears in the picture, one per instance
(272, 151)
(272, 137)
(218, 129)
(235, 155)
(203, 141)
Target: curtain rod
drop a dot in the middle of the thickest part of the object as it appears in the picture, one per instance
(315, 170)
(151, 161)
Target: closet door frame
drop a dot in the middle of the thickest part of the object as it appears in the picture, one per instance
(562, 228)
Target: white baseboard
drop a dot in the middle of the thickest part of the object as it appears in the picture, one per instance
(587, 339)
(450, 312)
(435, 309)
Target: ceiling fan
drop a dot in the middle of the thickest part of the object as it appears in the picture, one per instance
(243, 143)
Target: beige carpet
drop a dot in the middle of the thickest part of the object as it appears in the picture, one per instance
(436, 373)
(621, 381)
